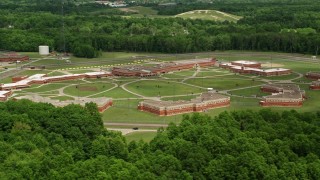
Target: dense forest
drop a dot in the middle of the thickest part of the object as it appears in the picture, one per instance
(40, 141)
(286, 26)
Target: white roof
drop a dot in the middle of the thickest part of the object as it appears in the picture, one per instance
(260, 70)
(245, 62)
(96, 73)
(2, 93)
(41, 77)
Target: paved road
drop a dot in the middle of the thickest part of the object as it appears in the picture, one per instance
(128, 131)
(136, 125)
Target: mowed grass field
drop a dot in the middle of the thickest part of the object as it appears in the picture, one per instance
(87, 89)
(209, 15)
(151, 88)
(137, 136)
(222, 83)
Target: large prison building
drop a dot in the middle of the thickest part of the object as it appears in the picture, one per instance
(143, 70)
(282, 95)
(206, 101)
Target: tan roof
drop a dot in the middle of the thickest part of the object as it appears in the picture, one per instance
(204, 97)
(286, 95)
(81, 100)
(284, 87)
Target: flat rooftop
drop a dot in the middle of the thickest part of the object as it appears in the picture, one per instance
(139, 68)
(316, 83)
(43, 77)
(285, 87)
(258, 70)
(313, 73)
(246, 62)
(3, 93)
(204, 97)
(81, 100)
(286, 95)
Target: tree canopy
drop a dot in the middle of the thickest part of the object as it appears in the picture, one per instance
(40, 141)
(286, 26)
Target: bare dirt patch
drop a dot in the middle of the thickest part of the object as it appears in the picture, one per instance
(272, 65)
(87, 88)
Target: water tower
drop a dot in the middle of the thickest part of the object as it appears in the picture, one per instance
(44, 50)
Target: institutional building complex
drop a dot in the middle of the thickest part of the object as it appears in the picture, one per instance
(282, 95)
(209, 100)
(143, 70)
(102, 103)
(27, 81)
(249, 67)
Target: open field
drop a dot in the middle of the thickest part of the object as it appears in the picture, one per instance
(136, 136)
(87, 89)
(209, 15)
(127, 92)
(222, 83)
(152, 88)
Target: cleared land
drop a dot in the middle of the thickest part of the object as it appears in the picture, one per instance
(136, 136)
(209, 15)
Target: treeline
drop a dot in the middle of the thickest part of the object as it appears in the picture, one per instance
(39, 141)
(294, 28)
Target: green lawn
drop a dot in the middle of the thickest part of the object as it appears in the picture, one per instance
(209, 15)
(173, 76)
(140, 11)
(87, 89)
(213, 73)
(55, 73)
(62, 98)
(126, 111)
(6, 80)
(31, 54)
(222, 83)
(187, 98)
(32, 72)
(185, 73)
(153, 88)
(44, 88)
(250, 92)
(137, 136)
(107, 58)
(116, 93)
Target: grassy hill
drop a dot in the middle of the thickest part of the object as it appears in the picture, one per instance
(209, 15)
(140, 11)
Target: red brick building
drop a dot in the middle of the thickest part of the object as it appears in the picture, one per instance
(24, 82)
(250, 64)
(167, 108)
(12, 57)
(143, 71)
(4, 95)
(245, 67)
(102, 103)
(282, 95)
(315, 85)
(313, 75)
